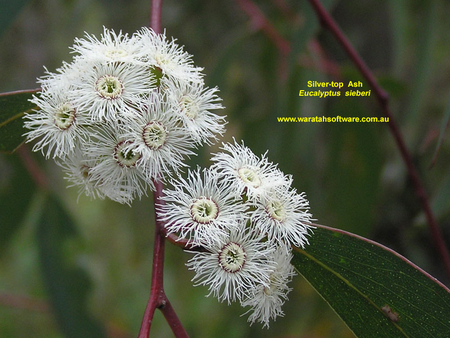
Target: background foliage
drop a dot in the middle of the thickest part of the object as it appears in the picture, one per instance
(352, 173)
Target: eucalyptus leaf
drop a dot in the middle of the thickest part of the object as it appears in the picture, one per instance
(375, 291)
(67, 285)
(16, 191)
(13, 106)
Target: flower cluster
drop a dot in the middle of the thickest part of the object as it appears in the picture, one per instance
(245, 215)
(126, 111)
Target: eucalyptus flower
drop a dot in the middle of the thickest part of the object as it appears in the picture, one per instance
(266, 300)
(200, 208)
(167, 57)
(252, 175)
(56, 123)
(283, 215)
(112, 47)
(193, 103)
(233, 265)
(158, 137)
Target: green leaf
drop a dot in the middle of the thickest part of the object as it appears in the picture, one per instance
(67, 285)
(13, 106)
(16, 191)
(377, 292)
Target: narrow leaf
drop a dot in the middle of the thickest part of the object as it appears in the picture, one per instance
(16, 191)
(66, 284)
(13, 106)
(377, 292)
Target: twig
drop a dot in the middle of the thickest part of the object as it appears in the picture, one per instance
(158, 298)
(155, 16)
(30, 91)
(184, 243)
(383, 99)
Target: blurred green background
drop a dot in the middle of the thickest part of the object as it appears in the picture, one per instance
(352, 173)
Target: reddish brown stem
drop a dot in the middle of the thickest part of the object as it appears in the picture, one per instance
(383, 100)
(31, 91)
(158, 298)
(155, 16)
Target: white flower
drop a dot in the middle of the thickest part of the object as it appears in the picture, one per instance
(52, 82)
(282, 214)
(193, 104)
(57, 122)
(117, 171)
(110, 90)
(233, 265)
(251, 175)
(111, 47)
(158, 137)
(167, 56)
(266, 300)
(78, 168)
(200, 208)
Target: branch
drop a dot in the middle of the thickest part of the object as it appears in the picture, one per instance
(31, 91)
(383, 100)
(155, 16)
(158, 298)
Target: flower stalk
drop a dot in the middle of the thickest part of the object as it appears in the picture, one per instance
(158, 298)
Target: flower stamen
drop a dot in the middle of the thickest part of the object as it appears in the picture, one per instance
(164, 61)
(154, 135)
(109, 87)
(188, 107)
(64, 117)
(125, 156)
(250, 176)
(232, 257)
(116, 53)
(276, 210)
(204, 210)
